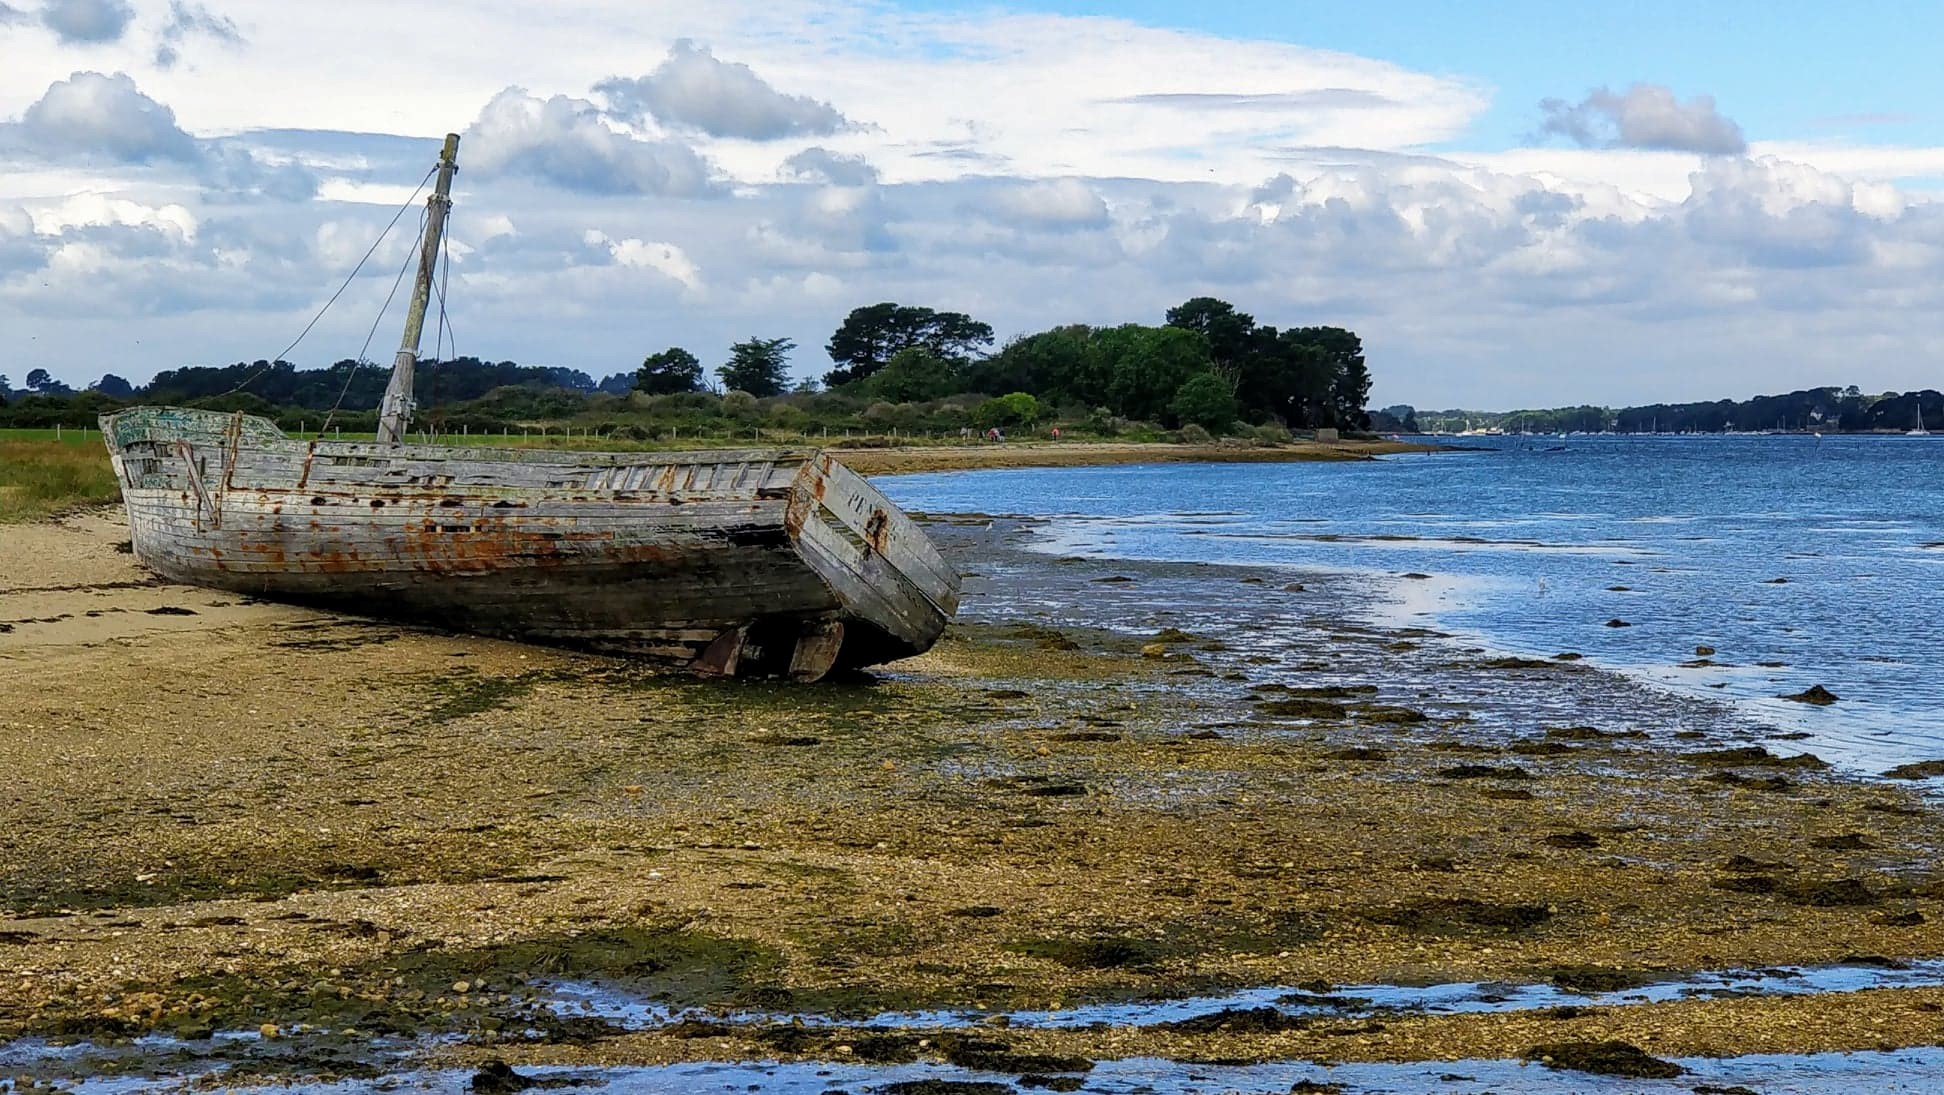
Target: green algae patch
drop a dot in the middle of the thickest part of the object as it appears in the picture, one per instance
(1601, 978)
(1754, 756)
(1299, 707)
(1459, 916)
(1103, 953)
(1607, 1058)
(420, 991)
(1390, 715)
(465, 693)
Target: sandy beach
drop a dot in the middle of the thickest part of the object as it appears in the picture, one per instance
(219, 814)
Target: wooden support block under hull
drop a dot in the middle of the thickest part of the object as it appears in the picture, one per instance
(723, 656)
(816, 652)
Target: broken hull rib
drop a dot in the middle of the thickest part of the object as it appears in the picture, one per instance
(769, 561)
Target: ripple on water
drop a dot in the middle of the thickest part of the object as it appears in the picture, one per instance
(1911, 1070)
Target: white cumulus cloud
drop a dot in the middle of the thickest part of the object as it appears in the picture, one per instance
(90, 112)
(86, 21)
(1644, 116)
(567, 142)
(693, 89)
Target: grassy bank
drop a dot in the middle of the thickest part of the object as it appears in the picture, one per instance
(41, 477)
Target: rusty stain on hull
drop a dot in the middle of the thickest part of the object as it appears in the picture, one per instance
(774, 561)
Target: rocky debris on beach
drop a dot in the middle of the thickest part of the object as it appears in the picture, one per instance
(1605, 1058)
(1010, 822)
(498, 1078)
(1754, 756)
(1815, 694)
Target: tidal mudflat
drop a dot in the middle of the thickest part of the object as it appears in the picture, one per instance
(291, 845)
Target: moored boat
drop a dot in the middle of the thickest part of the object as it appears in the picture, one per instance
(769, 562)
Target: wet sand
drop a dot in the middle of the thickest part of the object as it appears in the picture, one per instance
(219, 814)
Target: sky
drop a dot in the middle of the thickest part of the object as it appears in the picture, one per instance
(1515, 204)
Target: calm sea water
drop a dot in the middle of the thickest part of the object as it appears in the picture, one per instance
(1800, 560)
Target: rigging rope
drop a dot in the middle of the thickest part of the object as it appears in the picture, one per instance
(410, 255)
(443, 338)
(349, 278)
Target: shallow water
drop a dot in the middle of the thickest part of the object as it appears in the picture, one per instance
(156, 1063)
(1343, 1001)
(1911, 1070)
(1526, 546)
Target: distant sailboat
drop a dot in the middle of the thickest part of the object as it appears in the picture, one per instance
(1920, 431)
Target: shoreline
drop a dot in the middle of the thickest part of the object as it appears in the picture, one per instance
(1045, 810)
(866, 461)
(914, 459)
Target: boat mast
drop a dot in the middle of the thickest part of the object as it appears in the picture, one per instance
(395, 413)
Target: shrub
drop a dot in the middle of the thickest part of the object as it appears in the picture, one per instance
(1016, 409)
(1192, 434)
(782, 416)
(1205, 401)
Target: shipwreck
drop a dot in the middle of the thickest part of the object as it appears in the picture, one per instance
(758, 562)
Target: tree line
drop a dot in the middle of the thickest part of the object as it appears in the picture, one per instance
(1823, 410)
(1207, 365)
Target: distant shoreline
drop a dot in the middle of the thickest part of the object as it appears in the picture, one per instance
(1054, 454)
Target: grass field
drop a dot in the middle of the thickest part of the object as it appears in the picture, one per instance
(40, 475)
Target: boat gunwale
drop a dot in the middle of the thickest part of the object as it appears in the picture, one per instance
(299, 447)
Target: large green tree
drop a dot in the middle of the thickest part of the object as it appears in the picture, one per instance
(759, 366)
(1306, 376)
(1146, 366)
(110, 385)
(1231, 334)
(871, 336)
(1062, 365)
(673, 370)
(1341, 401)
(914, 375)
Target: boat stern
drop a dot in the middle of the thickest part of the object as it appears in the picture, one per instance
(897, 590)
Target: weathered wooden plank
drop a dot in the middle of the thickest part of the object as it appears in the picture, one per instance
(655, 554)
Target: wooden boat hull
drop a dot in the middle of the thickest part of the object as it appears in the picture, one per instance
(773, 562)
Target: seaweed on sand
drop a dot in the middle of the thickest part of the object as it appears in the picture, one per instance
(1608, 1058)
